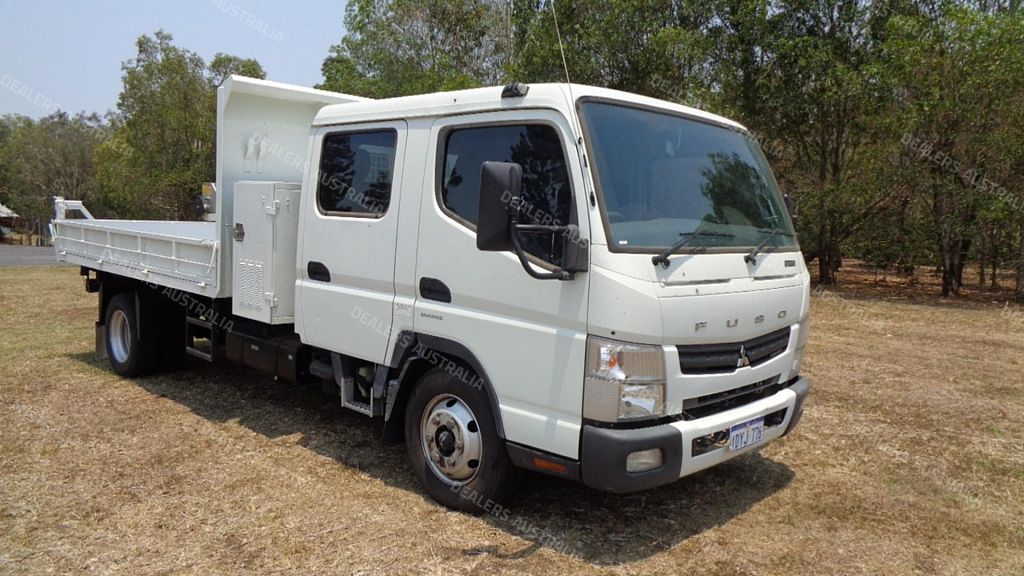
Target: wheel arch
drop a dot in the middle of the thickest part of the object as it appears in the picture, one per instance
(156, 316)
(415, 354)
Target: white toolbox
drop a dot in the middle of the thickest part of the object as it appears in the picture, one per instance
(266, 216)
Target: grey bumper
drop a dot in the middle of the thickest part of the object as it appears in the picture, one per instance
(603, 451)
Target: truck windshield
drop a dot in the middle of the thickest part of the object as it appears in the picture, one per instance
(662, 176)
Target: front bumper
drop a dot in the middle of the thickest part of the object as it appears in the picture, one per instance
(604, 450)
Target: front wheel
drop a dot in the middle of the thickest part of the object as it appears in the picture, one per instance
(453, 444)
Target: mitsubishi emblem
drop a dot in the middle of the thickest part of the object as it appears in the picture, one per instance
(744, 360)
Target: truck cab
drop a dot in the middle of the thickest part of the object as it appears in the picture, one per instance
(583, 282)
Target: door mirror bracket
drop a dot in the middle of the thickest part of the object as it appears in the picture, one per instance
(498, 224)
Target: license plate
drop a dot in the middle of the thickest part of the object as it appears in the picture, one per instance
(746, 433)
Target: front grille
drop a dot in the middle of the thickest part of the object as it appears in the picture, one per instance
(725, 358)
(721, 401)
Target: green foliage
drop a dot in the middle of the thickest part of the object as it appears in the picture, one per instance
(960, 73)
(224, 65)
(8, 126)
(647, 46)
(49, 157)
(897, 125)
(399, 47)
(164, 146)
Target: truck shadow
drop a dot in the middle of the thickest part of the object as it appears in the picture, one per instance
(564, 517)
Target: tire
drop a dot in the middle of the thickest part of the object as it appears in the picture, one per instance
(129, 356)
(447, 416)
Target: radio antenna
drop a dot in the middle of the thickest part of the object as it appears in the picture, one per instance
(565, 67)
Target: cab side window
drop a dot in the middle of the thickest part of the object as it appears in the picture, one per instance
(547, 193)
(356, 171)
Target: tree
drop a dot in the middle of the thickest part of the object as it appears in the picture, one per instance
(9, 124)
(51, 157)
(821, 94)
(224, 65)
(399, 47)
(961, 75)
(651, 47)
(164, 144)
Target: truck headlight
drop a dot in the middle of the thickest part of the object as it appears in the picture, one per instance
(624, 382)
(803, 332)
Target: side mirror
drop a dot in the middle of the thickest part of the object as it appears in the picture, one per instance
(497, 225)
(501, 184)
(790, 207)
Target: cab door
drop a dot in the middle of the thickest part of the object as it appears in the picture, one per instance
(529, 335)
(346, 279)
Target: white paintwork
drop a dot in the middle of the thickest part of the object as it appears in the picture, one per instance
(689, 430)
(264, 259)
(351, 313)
(262, 134)
(528, 334)
(179, 255)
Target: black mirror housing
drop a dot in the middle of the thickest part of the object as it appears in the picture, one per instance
(575, 253)
(501, 185)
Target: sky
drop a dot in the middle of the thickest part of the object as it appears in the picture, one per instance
(67, 54)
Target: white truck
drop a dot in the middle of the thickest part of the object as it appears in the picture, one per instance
(583, 282)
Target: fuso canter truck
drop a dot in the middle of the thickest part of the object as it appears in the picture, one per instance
(583, 282)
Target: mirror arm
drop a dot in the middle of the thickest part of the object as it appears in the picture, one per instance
(557, 274)
(539, 228)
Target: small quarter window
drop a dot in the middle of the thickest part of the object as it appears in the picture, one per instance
(356, 171)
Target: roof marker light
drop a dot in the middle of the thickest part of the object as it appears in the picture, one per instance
(515, 90)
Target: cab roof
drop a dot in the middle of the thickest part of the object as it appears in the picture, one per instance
(477, 100)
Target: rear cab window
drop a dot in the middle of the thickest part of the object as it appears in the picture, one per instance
(356, 173)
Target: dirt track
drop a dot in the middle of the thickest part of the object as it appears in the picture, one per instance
(26, 256)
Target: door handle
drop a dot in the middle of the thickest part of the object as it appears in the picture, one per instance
(434, 289)
(317, 271)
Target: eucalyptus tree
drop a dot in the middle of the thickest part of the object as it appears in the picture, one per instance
(400, 47)
(164, 144)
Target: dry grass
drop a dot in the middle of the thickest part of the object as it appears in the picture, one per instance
(910, 460)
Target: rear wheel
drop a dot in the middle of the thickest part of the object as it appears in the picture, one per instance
(129, 356)
(453, 444)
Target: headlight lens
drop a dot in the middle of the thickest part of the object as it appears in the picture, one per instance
(624, 382)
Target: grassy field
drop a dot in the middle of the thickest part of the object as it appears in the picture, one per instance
(909, 460)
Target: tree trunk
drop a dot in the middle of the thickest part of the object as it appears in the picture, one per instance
(1019, 295)
(825, 275)
(997, 241)
(951, 267)
(981, 258)
(960, 261)
(903, 257)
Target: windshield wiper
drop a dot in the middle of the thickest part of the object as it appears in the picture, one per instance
(687, 237)
(752, 257)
